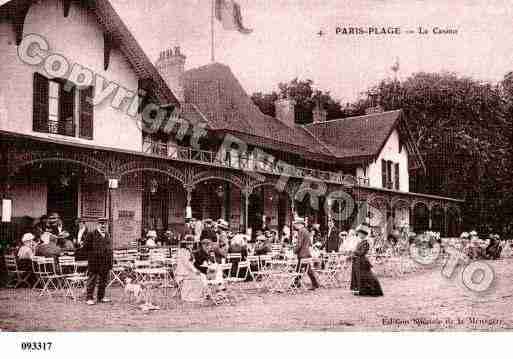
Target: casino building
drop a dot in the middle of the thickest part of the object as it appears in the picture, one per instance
(212, 154)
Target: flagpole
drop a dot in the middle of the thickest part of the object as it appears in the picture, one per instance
(212, 45)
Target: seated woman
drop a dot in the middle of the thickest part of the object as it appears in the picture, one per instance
(151, 239)
(221, 249)
(188, 277)
(48, 247)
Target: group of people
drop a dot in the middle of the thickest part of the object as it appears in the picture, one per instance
(479, 248)
(216, 242)
(49, 239)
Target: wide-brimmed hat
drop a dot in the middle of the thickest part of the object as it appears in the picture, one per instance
(102, 220)
(152, 234)
(363, 228)
(343, 233)
(464, 235)
(222, 224)
(473, 234)
(27, 237)
(298, 220)
(208, 221)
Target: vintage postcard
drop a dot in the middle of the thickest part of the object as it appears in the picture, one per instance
(255, 165)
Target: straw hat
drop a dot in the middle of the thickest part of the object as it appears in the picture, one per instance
(222, 224)
(151, 234)
(363, 228)
(299, 220)
(27, 237)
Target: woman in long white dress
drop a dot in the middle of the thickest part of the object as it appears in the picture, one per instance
(190, 279)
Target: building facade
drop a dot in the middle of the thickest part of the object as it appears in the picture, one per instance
(90, 127)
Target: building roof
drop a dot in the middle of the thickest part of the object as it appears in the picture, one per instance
(226, 106)
(122, 38)
(362, 136)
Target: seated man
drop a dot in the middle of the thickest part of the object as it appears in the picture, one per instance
(494, 249)
(49, 247)
(263, 246)
(202, 256)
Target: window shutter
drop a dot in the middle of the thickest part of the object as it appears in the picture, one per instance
(384, 173)
(396, 171)
(86, 113)
(389, 174)
(67, 111)
(40, 103)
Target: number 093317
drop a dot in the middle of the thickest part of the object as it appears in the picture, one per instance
(36, 346)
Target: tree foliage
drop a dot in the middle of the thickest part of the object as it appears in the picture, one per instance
(306, 97)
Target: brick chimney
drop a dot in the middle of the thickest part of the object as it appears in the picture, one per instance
(285, 111)
(319, 114)
(171, 65)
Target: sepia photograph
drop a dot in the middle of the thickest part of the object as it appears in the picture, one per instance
(255, 166)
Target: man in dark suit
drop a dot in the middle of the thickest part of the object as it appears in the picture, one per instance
(332, 243)
(202, 256)
(302, 250)
(98, 246)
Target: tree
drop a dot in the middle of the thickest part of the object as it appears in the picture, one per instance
(306, 97)
(463, 130)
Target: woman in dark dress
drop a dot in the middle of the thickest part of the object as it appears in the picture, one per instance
(363, 281)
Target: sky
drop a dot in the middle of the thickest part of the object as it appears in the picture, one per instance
(285, 43)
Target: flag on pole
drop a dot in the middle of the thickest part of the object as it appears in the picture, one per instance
(229, 14)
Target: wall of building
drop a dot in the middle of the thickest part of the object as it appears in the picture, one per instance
(79, 38)
(29, 199)
(390, 152)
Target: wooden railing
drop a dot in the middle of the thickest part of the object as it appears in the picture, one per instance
(247, 163)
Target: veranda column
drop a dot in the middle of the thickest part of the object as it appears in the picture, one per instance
(430, 215)
(113, 184)
(445, 225)
(246, 192)
(188, 206)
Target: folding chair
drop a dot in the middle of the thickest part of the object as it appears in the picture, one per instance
(285, 278)
(17, 276)
(328, 275)
(254, 262)
(72, 280)
(47, 275)
(119, 267)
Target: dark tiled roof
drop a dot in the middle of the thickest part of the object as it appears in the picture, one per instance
(221, 99)
(356, 137)
(123, 39)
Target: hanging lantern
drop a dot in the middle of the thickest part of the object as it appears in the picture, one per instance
(64, 180)
(154, 186)
(220, 191)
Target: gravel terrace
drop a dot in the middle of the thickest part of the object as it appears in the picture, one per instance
(420, 301)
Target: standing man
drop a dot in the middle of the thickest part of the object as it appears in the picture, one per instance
(302, 250)
(98, 246)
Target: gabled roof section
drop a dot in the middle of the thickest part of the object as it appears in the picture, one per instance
(361, 138)
(226, 106)
(124, 40)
